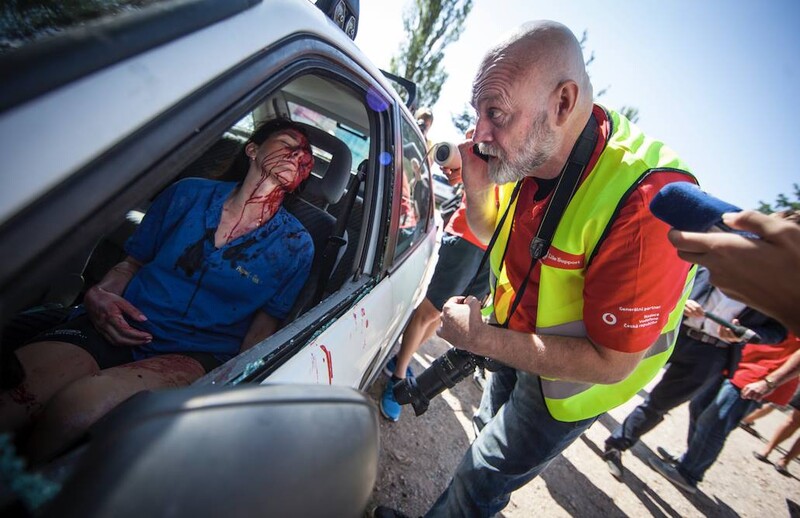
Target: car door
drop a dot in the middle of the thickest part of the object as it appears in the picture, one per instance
(155, 123)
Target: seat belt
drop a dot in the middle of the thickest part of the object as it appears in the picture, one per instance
(336, 240)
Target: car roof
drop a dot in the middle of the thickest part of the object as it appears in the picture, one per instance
(48, 138)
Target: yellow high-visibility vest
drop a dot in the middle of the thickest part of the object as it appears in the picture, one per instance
(628, 157)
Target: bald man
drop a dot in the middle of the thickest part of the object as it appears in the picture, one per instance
(585, 325)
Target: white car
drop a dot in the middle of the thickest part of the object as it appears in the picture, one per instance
(97, 120)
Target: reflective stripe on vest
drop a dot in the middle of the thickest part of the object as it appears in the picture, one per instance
(629, 156)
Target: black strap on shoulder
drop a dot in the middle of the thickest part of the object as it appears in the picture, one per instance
(565, 189)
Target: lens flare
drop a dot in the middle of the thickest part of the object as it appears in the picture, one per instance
(376, 101)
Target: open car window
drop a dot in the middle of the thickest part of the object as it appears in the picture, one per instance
(340, 129)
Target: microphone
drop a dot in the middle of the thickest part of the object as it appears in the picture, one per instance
(745, 334)
(446, 154)
(685, 206)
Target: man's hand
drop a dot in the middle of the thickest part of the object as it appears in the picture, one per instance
(462, 324)
(761, 273)
(107, 312)
(474, 170)
(693, 309)
(728, 335)
(756, 390)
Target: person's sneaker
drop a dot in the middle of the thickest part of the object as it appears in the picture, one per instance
(390, 408)
(613, 458)
(392, 363)
(667, 456)
(671, 473)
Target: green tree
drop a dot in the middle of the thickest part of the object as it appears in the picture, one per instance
(782, 202)
(430, 26)
(462, 121)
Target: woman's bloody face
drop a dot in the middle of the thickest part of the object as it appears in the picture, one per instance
(286, 156)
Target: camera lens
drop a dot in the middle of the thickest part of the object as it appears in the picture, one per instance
(442, 153)
(444, 372)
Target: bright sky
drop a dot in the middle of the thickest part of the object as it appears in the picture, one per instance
(715, 80)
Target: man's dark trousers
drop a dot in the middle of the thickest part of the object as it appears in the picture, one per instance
(692, 366)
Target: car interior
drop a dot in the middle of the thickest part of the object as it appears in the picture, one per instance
(329, 203)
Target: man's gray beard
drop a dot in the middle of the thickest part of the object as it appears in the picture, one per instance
(537, 150)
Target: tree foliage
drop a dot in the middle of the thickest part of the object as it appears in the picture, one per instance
(782, 202)
(430, 26)
(462, 121)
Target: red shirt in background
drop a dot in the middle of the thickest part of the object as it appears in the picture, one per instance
(759, 360)
(458, 225)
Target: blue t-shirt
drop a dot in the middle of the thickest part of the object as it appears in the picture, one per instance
(198, 298)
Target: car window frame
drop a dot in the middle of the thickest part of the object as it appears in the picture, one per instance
(392, 260)
(168, 146)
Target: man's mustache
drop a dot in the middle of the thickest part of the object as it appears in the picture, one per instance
(489, 149)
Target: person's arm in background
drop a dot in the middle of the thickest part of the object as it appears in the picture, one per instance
(762, 273)
(693, 309)
(761, 388)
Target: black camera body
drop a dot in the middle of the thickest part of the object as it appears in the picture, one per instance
(445, 372)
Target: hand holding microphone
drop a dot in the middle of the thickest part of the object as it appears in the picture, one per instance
(447, 155)
(754, 259)
(741, 333)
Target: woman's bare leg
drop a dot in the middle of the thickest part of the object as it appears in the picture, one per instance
(49, 367)
(793, 452)
(784, 431)
(71, 412)
(758, 413)
(420, 328)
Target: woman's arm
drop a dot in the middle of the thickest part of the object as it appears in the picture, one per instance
(107, 308)
(263, 325)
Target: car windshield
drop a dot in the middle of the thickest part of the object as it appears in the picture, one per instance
(25, 22)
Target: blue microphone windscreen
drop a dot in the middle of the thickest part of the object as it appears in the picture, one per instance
(685, 206)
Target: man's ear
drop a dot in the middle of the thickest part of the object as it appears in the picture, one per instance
(251, 150)
(566, 98)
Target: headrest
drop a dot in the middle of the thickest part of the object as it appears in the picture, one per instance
(331, 186)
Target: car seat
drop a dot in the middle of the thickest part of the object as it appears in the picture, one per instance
(325, 190)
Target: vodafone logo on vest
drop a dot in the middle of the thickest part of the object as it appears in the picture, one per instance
(609, 318)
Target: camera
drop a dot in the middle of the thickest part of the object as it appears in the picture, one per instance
(447, 370)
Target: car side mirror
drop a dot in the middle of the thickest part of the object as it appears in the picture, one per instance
(282, 450)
